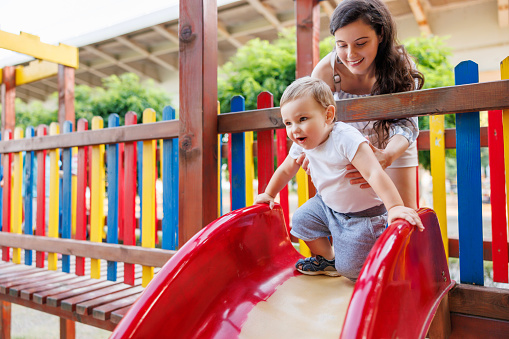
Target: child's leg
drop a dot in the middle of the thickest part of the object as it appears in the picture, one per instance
(321, 246)
(309, 223)
(404, 179)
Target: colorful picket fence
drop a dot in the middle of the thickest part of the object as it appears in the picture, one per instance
(63, 182)
(130, 170)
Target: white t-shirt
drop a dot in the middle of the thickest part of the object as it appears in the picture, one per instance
(327, 165)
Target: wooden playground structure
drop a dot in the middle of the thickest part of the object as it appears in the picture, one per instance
(189, 166)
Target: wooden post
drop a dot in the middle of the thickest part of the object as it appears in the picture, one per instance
(198, 116)
(65, 95)
(8, 96)
(67, 329)
(5, 320)
(307, 14)
(441, 325)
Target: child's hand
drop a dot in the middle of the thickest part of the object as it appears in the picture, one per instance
(406, 213)
(264, 198)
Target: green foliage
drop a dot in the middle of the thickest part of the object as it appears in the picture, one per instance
(260, 66)
(432, 58)
(120, 95)
(34, 113)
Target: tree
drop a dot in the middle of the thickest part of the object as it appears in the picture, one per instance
(261, 66)
(120, 95)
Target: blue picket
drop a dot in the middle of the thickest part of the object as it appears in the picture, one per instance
(238, 156)
(112, 219)
(170, 178)
(468, 155)
(29, 189)
(66, 197)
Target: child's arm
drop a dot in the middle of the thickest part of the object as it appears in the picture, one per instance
(284, 173)
(370, 169)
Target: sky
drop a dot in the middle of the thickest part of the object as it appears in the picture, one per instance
(57, 21)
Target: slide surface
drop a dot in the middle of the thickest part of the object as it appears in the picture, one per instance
(236, 279)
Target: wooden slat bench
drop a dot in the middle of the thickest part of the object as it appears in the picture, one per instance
(97, 302)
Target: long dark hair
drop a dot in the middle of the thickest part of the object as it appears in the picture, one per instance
(393, 69)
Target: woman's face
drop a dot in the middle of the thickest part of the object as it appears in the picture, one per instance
(356, 46)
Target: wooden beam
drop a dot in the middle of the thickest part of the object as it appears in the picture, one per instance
(136, 47)
(454, 249)
(221, 28)
(167, 33)
(81, 248)
(66, 96)
(327, 7)
(198, 116)
(93, 70)
(115, 61)
(450, 138)
(503, 13)
(34, 89)
(446, 100)
(158, 130)
(8, 98)
(36, 70)
(31, 45)
(420, 16)
(307, 14)
(467, 326)
(267, 12)
(488, 302)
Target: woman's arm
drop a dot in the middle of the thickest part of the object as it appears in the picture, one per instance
(383, 186)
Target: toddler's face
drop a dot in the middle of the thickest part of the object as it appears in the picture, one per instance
(307, 123)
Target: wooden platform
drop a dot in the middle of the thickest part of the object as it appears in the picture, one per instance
(96, 302)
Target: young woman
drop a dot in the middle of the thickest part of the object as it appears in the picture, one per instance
(367, 60)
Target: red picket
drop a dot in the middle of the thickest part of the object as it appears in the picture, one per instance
(497, 196)
(129, 197)
(42, 130)
(265, 146)
(282, 152)
(81, 203)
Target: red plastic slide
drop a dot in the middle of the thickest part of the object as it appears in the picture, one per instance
(226, 281)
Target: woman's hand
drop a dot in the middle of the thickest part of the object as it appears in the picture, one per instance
(356, 177)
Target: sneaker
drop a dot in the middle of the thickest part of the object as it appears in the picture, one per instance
(316, 266)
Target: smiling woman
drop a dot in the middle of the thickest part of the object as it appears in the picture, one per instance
(367, 60)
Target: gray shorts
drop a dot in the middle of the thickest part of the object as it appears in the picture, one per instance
(353, 234)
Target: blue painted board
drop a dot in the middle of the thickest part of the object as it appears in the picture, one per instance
(66, 197)
(112, 219)
(468, 156)
(238, 156)
(170, 178)
(29, 190)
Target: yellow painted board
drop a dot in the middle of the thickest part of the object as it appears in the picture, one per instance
(437, 154)
(36, 70)
(303, 196)
(248, 137)
(504, 72)
(148, 195)
(16, 198)
(96, 198)
(54, 187)
(31, 45)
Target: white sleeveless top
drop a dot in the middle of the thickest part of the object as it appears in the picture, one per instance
(407, 128)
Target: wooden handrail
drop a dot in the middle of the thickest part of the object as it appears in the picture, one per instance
(112, 252)
(445, 100)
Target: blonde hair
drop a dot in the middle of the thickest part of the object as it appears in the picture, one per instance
(313, 87)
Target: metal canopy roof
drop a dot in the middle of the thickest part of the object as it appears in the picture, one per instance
(152, 51)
